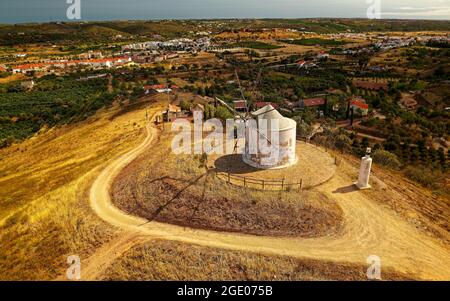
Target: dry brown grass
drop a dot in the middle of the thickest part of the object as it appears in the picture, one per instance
(166, 260)
(44, 211)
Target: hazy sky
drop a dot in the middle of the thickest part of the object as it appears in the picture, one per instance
(19, 11)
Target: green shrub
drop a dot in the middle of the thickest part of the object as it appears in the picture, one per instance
(421, 175)
(386, 158)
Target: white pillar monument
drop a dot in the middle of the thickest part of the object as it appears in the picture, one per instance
(364, 171)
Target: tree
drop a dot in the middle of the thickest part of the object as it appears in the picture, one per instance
(342, 142)
(185, 105)
(386, 158)
(223, 113)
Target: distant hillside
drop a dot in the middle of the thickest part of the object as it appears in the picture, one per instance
(104, 31)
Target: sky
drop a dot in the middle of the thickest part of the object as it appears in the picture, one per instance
(23, 11)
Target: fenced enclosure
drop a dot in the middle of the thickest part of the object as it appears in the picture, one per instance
(248, 182)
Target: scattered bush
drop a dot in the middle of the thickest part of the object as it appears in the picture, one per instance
(386, 158)
(421, 175)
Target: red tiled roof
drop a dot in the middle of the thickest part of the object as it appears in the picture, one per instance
(155, 87)
(239, 104)
(313, 102)
(359, 103)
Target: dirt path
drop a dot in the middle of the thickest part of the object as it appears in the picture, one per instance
(369, 229)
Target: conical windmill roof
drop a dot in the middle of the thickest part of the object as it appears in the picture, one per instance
(269, 113)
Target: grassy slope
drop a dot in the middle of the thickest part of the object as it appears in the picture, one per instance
(44, 212)
(166, 260)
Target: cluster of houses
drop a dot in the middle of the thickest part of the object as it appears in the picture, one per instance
(182, 44)
(394, 42)
(53, 66)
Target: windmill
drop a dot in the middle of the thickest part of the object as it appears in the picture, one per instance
(247, 116)
(286, 131)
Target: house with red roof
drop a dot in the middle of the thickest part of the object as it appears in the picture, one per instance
(304, 64)
(359, 105)
(240, 105)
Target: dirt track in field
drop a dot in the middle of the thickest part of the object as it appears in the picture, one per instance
(369, 229)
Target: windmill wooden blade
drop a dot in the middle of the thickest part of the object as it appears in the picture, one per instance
(242, 92)
(264, 136)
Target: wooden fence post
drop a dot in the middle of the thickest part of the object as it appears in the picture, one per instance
(245, 183)
(301, 183)
(282, 184)
(263, 184)
(228, 177)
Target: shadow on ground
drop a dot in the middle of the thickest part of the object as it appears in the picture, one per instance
(233, 164)
(346, 189)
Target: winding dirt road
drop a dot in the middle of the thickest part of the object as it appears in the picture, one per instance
(369, 229)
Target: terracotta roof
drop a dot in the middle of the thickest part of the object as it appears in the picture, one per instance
(359, 103)
(313, 102)
(239, 104)
(155, 87)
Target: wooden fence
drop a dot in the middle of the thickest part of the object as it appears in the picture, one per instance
(274, 185)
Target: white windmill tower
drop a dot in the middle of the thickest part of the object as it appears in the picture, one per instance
(269, 128)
